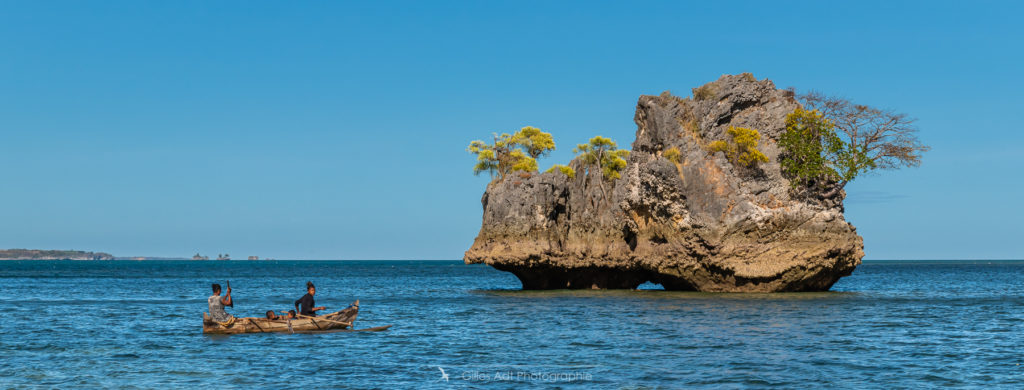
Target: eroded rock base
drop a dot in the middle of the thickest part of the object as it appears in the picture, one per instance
(553, 278)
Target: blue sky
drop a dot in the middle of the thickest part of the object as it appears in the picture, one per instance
(336, 130)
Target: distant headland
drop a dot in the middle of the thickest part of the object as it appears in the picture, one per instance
(49, 254)
(41, 254)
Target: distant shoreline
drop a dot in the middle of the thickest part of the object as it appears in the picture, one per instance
(48, 254)
(116, 258)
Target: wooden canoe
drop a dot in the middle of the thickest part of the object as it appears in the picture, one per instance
(334, 321)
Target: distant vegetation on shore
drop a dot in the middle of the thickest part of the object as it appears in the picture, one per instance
(39, 254)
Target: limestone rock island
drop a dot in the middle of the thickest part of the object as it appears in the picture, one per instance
(681, 215)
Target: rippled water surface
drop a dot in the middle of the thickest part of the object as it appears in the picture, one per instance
(138, 323)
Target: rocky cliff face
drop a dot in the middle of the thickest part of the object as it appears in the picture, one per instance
(698, 223)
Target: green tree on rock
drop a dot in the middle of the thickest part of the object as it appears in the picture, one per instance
(534, 142)
(833, 141)
(813, 149)
(486, 157)
(511, 152)
(604, 153)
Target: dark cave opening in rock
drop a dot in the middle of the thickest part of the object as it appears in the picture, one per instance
(630, 237)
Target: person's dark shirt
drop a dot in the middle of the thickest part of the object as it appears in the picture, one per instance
(307, 305)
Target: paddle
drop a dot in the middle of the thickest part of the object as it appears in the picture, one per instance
(326, 320)
(232, 304)
(290, 330)
(321, 319)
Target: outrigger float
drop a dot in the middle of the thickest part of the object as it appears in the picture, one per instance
(339, 321)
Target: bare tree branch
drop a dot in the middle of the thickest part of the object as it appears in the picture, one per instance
(888, 139)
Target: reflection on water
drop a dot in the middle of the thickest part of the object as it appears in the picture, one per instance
(648, 294)
(891, 324)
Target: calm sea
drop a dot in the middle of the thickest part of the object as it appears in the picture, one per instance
(138, 323)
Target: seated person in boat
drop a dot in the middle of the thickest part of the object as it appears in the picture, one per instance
(307, 303)
(273, 316)
(217, 303)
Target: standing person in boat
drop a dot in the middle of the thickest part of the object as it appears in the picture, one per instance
(217, 304)
(308, 308)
